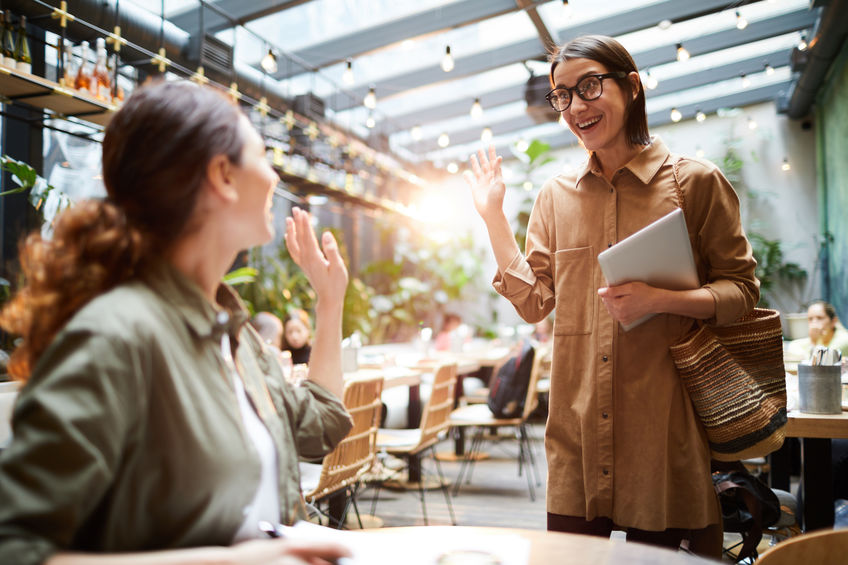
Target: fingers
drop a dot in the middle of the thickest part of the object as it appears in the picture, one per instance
(291, 239)
(469, 178)
(475, 166)
(331, 250)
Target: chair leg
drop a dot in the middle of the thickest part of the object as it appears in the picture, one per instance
(477, 448)
(443, 485)
(353, 492)
(523, 448)
(423, 503)
(529, 436)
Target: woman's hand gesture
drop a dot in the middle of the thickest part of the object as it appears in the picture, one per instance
(325, 270)
(486, 182)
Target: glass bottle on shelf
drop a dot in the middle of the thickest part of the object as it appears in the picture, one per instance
(70, 68)
(8, 46)
(102, 82)
(112, 68)
(22, 53)
(83, 81)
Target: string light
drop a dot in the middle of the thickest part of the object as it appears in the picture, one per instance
(444, 140)
(699, 153)
(453, 168)
(682, 53)
(269, 62)
(566, 9)
(752, 124)
(785, 167)
(415, 132)
(700, 116)
(447, 60)
(675, 115)
(347, 76)
(370, 100)
(802, 45)
(370, 122)
(476, 109)
(527, 185)
(486, 135)
(746, 82)
(769, 69)
(650, 81)
(521, 145)
(741, 23)
(664, 24)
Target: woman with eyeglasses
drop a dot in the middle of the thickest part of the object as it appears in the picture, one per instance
(625, 448)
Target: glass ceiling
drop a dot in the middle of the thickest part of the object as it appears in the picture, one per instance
(494, 55)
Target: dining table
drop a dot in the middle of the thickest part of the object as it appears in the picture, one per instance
(815, 432)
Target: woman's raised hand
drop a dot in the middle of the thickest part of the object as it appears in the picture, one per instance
(486, 182)
(325, 270)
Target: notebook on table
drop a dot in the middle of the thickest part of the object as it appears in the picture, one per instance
(659, 255)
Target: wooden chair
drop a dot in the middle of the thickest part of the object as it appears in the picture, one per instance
(410, 445)
(479, 417)
(828, 547)
(343, 468)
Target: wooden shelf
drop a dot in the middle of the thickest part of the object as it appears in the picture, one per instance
(41, 93)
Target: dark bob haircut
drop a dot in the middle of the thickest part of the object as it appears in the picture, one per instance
(611, 54)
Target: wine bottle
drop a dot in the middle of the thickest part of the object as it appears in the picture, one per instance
(83, 80)
(22, 53)
(70, 68)
(102, 82)
(8, 44)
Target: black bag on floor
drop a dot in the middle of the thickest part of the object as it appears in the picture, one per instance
(747, 506)
(508, 388)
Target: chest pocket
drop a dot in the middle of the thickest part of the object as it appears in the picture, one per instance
(575, 293)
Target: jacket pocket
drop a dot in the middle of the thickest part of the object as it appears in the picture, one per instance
(575, 293)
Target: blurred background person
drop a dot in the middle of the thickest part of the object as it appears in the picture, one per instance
(297, 336)
(824, 329)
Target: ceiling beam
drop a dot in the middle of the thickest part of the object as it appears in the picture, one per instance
(548, 40)
(434, 20)
(515, 92)
(238, 11)
(618, 24)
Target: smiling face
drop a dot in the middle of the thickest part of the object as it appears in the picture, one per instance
(599, 123)
(297, 334)
(255, 180)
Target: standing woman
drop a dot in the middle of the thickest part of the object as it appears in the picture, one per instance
(624, 445)
(153, 418)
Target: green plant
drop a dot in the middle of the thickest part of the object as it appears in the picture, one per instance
(772, 268)
(44, 197)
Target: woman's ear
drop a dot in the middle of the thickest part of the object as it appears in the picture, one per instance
(221, 178)
(635, 83)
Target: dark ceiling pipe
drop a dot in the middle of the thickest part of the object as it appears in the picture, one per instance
(827, 40)
(142, 28)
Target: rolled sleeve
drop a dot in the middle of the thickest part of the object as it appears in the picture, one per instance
(730, 264)
(321, 421)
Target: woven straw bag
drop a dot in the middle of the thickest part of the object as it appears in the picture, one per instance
(735, 377)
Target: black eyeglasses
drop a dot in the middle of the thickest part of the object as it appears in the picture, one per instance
(588, 88)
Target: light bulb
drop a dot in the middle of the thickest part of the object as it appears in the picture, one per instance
(752, 124)
(802, 45)
(447, 60)
(370, 100)
(347, 76)
(785, 167)
(699, 153)
(486, 135)
(521, 145)
(370, 122)
(676, 116)
(476, 109)
(415, 132)
(453, 168)
(528, 186)
(566, 10)
(269, 62)
(664, 24)
(682, 53)
(650, 81)
(700, 116)
(769, 69)
(741, 23)
(746, 82)
(444, 140)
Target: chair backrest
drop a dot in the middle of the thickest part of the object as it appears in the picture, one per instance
(435, 417)
(827, 547)
(356, 452)
(532, 399)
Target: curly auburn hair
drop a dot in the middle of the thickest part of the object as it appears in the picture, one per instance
(156, 151)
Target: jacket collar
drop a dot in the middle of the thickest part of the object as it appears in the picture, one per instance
(644, 166)
(188, 301)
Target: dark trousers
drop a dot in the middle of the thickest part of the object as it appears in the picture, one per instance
(603, 527)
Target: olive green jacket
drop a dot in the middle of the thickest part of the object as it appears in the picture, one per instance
(128, 435)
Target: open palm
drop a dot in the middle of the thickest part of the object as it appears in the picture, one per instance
(486, 182)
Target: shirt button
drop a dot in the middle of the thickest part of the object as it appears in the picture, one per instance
(612, 190)
(605, 415)
(605, 358)
(609, 244)
(606, 472)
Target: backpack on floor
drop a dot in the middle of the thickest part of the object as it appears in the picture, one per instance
(508, 389)
(748, 506)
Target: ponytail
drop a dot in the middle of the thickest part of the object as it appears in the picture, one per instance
(93, 249)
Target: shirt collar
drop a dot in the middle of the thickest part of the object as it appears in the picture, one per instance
(643, 166)
(188, 301)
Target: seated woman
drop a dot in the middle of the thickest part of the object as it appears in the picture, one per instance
(825, 329)
(152, 419)
(297, 336)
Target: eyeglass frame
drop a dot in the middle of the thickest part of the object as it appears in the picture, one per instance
(599, 76)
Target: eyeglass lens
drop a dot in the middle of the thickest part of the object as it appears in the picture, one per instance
(588, 89)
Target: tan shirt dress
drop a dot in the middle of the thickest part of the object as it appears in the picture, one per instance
(622, 438)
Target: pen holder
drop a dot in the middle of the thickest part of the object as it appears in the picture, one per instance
(820, 389)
